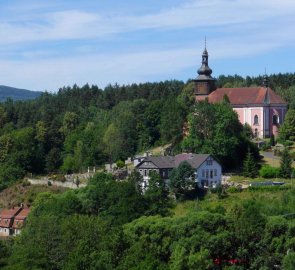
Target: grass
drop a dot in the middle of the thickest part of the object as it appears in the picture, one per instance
(18, 193)
(211, 201)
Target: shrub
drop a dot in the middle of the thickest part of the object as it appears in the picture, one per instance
(269, 172)
(234, 189)
(120, 164)
(269, 188)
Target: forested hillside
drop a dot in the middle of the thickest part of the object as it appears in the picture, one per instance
(17, 94)
(86, 126)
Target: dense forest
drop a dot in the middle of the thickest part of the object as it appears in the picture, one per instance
(86, 126)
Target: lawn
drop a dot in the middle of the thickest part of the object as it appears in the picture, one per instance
(211, 202)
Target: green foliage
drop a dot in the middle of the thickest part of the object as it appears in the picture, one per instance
(269, 172)
(289, 261)
(287, 130)
(286, 164)
(215, 129)
(269, 188)
(157, 196)
(250, 166)
(120, 164)
(182, 180)
(117, 202)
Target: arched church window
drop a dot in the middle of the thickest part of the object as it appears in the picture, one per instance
(275, 119)
(256, 119)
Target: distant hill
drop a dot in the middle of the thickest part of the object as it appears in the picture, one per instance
(16, 93)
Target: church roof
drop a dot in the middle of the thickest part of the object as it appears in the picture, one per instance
(246, 96)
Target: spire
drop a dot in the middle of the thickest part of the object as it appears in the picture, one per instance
(204, 69)
(265, 80)
(265, 85)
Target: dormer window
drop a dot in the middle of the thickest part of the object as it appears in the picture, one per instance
(256, 120)
(275, 119)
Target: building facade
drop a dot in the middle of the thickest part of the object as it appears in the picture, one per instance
(259, 107)
(208, 171)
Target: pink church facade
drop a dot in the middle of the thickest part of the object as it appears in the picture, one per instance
(259, 107)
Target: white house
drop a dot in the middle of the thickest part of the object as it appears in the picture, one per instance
(207, 170)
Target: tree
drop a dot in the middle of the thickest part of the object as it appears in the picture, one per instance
(215, 129)
(70, 121)
(113, 142)
(287, 130)
(250, 168)
(286, 164)
(182, 179)
(157, 196)
(289, 261)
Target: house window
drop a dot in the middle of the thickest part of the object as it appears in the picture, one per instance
(256, 120)
(209, 161)
(145, 172)
(215, 172)
(275, 119)
(211, 174)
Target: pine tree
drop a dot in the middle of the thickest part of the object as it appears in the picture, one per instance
(250, 167)
(286, 164)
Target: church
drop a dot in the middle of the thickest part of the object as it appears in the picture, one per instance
(260, 107)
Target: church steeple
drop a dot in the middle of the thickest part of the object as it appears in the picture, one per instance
(204, 83)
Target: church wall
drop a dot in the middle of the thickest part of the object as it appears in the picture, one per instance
(241, 114)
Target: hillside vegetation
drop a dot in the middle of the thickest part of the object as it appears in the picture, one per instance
(112, 225)
(86, 126)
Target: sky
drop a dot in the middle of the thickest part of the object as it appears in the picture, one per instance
(45, 45)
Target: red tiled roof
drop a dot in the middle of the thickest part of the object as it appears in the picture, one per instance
(246, 95)
(23, 214)
(13, 217)
(10, 213)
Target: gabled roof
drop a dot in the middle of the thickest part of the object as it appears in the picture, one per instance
(167, 162)
(23, 214)
(246, 96)
(162, 162)
(10, 213)
(19, 220)
(195, 160)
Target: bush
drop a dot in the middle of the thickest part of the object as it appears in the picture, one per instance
(269, 188)
(265, 146)
(25, 183)
(120, 164)
(269, 172)
(234, 189)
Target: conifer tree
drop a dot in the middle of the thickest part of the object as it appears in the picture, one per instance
(286, 164)
(250, 167)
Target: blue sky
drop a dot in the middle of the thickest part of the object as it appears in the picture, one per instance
(45, 45)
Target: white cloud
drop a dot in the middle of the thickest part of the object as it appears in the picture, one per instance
(240, 28)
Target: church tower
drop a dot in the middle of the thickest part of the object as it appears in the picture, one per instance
(204, 83)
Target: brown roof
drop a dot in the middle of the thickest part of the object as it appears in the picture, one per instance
(14, 217)
(20, 219)
(10, 213)
(23, 214)
(246, 95)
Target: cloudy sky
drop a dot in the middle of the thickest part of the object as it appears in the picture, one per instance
(45, 45)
